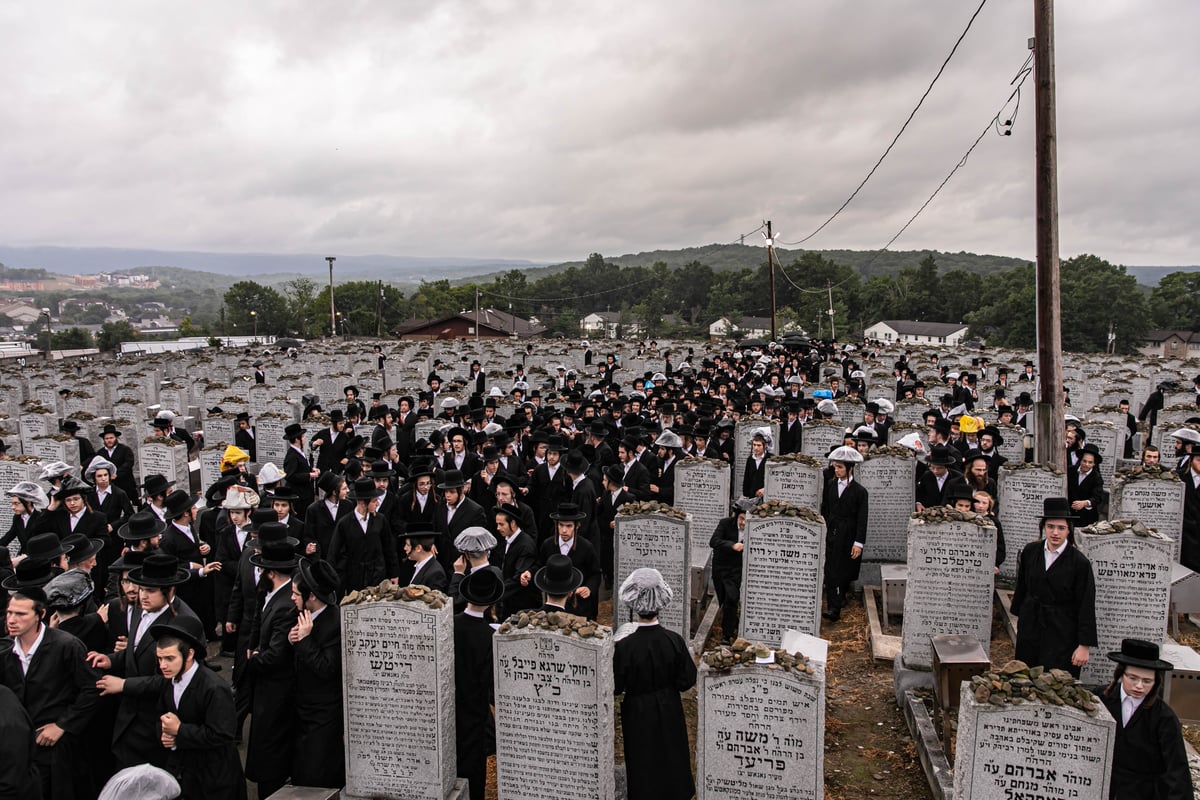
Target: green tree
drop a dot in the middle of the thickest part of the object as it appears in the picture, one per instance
(113, 333)
(358, 301)
(1175, 302)
(268, 305)
(303, 308)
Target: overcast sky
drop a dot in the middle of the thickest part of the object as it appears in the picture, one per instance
(549, 130)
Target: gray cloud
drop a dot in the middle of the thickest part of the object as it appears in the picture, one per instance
(548, 130)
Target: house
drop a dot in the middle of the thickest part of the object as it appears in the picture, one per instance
(1171, 344)
(609, 325)
(744, 327)
(491, 324)
(20, 311)
(906, 331)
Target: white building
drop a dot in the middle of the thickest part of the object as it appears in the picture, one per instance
(909, 332)
(744, 327)
(609, 325)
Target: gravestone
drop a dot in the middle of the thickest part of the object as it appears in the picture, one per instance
(210, 464)
(80, 401)
(35, 423)
(13, 472)
(1109, 441)
(1022, 488)
(889, 476)
(57, 447)
(951, 557)
(702, 490)
(554, 695)
(1013, 447)
(782, 572)
(174, 397)
(660, 541)
(795, 478)
(166, 457)
(1031, 750)
(1154, 497)
(743, 432)
(760, 730)
(269, 444)
(1171, 419)
(1133, 590)
(220, 428)
(398, 693)
(135, 413)
(911, 411)
(425, 427)
(821, 436)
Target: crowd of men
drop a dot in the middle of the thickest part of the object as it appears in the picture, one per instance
(117, 588)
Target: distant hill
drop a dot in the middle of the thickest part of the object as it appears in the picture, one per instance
(1150, 276)
(92, 260)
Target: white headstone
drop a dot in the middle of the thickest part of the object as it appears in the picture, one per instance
(796, 478)
(1153, 496)
(661, 542)
(890, 480)
(1022, 489)
(702, 490)
(782, 572)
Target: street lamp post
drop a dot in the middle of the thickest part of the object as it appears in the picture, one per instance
(332, 318)
(49, 332)
(254, 316)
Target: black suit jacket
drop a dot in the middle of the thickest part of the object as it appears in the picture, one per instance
(513, 561)
(468, 514)
(117, 508)
(845, 524)
(432, 575)
(245, 440)
(585, 558)
(1091, 488)
(319, 759)
(1149, 759)
(363, 558)
(637, 481)
(319, 525)
(725, 558)
(124, 460)
(60, 687)
(928, 493)
(475, 728)
(271, 671)
(296, 471)
(606, 510)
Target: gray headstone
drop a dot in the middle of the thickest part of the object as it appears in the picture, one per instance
(554, 699)
(398, 693)
(210, 465)
(1022, 490)
(890, 481)
(13, 472)
(168, 460)
(57, 448)
(819, 437)
(220, 428)
(425, 427)
(795, 480)
(1154, 500)
(950, 584)
(663, 543)
(269, 444)
(1170, 419)
(702, 490)
(760, 733)
(1133, 592)
(34, 425)
(1031, 750)
(1109, 441)
(743, 432)
(1014, 443)
(782, 572)
(911, 411)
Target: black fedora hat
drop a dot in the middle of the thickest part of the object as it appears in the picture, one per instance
(364, 490)
(155, 484)
(46, 546)
(107, 429)
(1091, 447)
(274, 532)
(615, 474)
(1057, 508)
(452, 479)
(559, 577)
(994, 432)
(940, 456)
(1139, 653)
(281, 492)
(82, 547)
(128, 560)
(568, 512)
(575, 463)
(275, 555)
(483, 587)
(159, 569)
(183, 626)
(178, 503)
(320, 578)
(379, 469)
(143, 524)
(31, 573)
(72, 486)
(958, 490)
(293, 431)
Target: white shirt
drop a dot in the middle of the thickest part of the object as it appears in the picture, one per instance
(1052, 555)
(552, 470)
(148, 619)
(102, 496)
(1129, 705)
(565, 547)
(362, 521)
(241, 534)
(842, 484)
(75, 518)
(333, 509)
(450, 512)
(575, 483)
(181, 683)
(421, 499)
(27, 658)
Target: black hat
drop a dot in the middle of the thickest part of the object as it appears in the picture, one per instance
(575, 463)
(483, 587)
(350, 388)
(291, 432)
(159, 569)
(958, 490)
(615, 474)
(178, 503)
(82, 547)
(452, 479)
(336, 415)
(243, 416)
(568, 512)
(490, 453)
(1091, 447)
(379, 469)
(327, 481)
(161, 423)
(70, 426)
(320, 578)
(1139, 653)
(277, 555)
(143, 524)
(940, 456)
(156, 484)
(281, 492)
(942, 426)
(272, 531)
(994, 432)
(559, 577)
(508, 509)
(556, 442)
(31, 573)
(183, 626)
(1057, 508)
(72, 485)
(364, 490)
(46, 546)
(129, 560)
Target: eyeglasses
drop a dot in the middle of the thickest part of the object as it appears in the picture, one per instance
(1139, 681)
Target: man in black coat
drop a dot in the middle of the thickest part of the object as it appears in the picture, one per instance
(181, 541)
(48, 671)
(583, 494)
(319, 755)
(453, 514)
(243, 437)
(1190, 553)
(475, 727)
(363, 549)
(635, 478)
(270, 669)
(754, 475)
(1085, 485)
(585, 600)
(121, 455)
(109, 500)
(1055, 596)
(613, 497)
(297, 471)
(516, 556)
(330, 443)
(940, 476)
(19, 776)
(323, 514)
(844, 507)
(421, 567)
(728, 543)
(548, 486)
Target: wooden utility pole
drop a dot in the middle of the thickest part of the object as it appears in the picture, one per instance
(771, 273)
(332, 314)
(1049, 436)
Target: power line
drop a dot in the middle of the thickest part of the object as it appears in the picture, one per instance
(903, 127)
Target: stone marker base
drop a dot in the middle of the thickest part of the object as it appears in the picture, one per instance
(905, 678)
(457, 792)
(938, 771)
(304, 793)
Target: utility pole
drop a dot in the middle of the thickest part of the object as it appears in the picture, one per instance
(771, 272)
(1049, 436)
(379, 311)
(332, 315)
(477, 313)
(832, 329)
